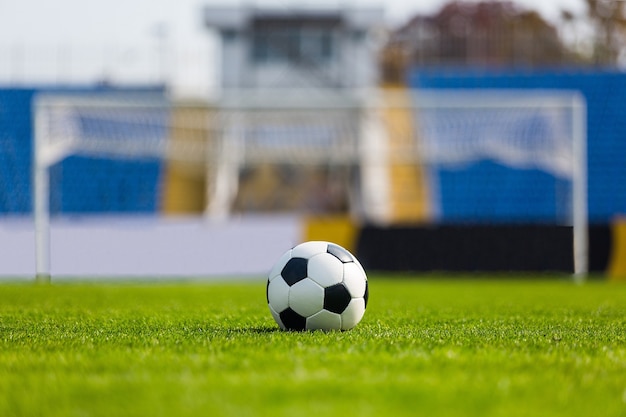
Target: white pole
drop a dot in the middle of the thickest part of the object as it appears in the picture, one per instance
(580, 211)
(41, 209)
(225, 173)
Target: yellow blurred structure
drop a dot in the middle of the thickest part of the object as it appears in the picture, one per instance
(617, 262)
(409, 193)
(337, 229)
(184, 184)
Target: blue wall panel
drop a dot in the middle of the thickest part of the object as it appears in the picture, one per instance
(88, 185)
(605, 93)
(490, 192)
(15, 150)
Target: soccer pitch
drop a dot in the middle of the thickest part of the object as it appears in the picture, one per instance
(428, 345)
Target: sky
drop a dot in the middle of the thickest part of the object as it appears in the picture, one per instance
(73, 41)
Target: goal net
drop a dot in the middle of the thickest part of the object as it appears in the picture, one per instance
(379, 156)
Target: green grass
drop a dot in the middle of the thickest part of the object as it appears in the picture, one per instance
(429, 346)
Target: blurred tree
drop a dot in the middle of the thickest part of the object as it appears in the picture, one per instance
(608, 19)
(487, 33)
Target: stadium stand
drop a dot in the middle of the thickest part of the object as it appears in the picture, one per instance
(605, 93)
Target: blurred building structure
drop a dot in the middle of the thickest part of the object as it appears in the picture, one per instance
(302, 47)
(289, 76)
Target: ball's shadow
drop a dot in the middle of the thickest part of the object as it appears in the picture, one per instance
(256, 330)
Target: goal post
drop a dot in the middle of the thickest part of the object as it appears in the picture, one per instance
(480, 125)
(360, 142)
(59, 132)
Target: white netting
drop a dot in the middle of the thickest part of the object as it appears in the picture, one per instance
(290, 135)
(108, 126)
(135, 126)
(521, 130)
(452, 128)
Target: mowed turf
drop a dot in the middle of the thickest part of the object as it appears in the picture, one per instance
(427, 346)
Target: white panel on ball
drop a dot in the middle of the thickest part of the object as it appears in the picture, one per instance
(309, 249)
(324, 320)
(278, 294)
(354, 279)
(325, 269)
(306, 297)
(279, 265)
(353, 314)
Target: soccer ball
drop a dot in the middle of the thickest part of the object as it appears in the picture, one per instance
(317, 285)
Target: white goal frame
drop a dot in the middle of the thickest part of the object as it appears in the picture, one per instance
(363, 147)
(495, 99)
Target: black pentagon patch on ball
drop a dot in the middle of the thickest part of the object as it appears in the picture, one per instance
(292, 320)
(267, 291)
(294, 271)
(340, 253)
(367, 294)
(336, 298)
